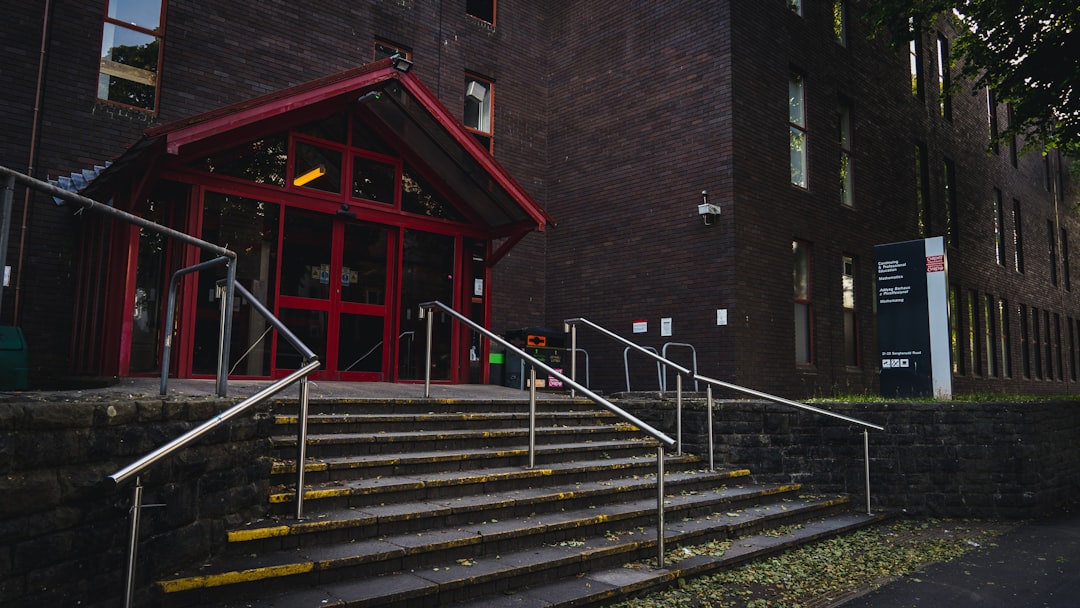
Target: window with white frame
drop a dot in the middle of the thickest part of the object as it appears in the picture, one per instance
(803, 306)
(847, 196)
(131, 35)
(999, 228)
(478, 109)
(915, 47)
(839, 14)
(851, 318)
(944, 78)
(384, 50)
(797, 129)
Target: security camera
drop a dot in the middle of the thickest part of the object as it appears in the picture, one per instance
(707, 211)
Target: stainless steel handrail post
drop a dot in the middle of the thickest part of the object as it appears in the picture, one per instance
(678, 414)
(427, 356)
(170, 315)
(866, 458)
(709, 420)
(554, 373)
(532, 417)
(133, 543)
(226, 324)
(573, 354)
(660, 506)
(301, 445)
(196, 433)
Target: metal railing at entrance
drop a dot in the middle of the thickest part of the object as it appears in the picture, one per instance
(572, 325)
(227, 258)
(426, 313)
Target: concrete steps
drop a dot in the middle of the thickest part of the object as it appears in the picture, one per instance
(431, 504)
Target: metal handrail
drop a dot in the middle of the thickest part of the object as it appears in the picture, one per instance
(567, 381)
(659, 366)
(228, 258)
(693, 358)
(170, 448)
(124, 216)
(571, 325)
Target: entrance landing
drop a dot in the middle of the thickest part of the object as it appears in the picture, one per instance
(129, 388)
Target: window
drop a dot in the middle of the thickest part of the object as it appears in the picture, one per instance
(1065, 260)
(1004, 338)
(922, 188)
(795, 6)
(484, 10)
(803, 311)
(847, 196)
(990, 331)
(1018, 237)
(478, 109)
(1059, 361)
(797, 128)
(915, 47)
(999, 229)
(974, 345)
(1012, 136)
(992, 119)
(851, 318)
(954, 330)
(384, 50)
(839, 22)
(944, 78)
(952, 224)
(1048, 344)
(131, 53)
(1074, 349)
(1025, 341)
(1036, 343)
(1051, 240)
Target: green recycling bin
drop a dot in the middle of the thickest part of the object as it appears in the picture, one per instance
(14, 367)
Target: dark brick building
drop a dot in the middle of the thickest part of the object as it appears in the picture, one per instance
(613, 118)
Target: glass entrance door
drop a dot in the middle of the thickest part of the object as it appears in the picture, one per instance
(334, 286)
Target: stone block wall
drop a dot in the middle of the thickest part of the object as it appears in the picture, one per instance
(64, 528)
(949, 459)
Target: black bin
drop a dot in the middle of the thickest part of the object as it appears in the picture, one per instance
(545, 344)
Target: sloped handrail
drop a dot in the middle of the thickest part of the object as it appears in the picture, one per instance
(425, 313)
(228, 258)
(571, 325)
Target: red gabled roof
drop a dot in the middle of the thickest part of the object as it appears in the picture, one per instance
(412, 111)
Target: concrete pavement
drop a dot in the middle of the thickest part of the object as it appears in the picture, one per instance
(1034, 565)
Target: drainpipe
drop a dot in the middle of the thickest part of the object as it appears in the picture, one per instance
(33, 153)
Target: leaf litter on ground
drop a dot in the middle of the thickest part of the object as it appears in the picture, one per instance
(824, 572)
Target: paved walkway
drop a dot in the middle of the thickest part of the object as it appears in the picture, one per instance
(1034, 565)
(180, 388)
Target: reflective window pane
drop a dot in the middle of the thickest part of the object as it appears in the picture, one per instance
(317, 168)
(143, 13)
(360, 343)
(373, 180)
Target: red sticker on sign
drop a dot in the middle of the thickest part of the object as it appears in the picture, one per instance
(935, 263)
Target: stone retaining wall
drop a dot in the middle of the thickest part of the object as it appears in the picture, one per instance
(63, 527)
(64, 530)
(950, 459)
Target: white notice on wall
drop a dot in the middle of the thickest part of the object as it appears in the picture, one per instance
(721, 316)
(7, 276)
(641, 326)
(665, 326)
